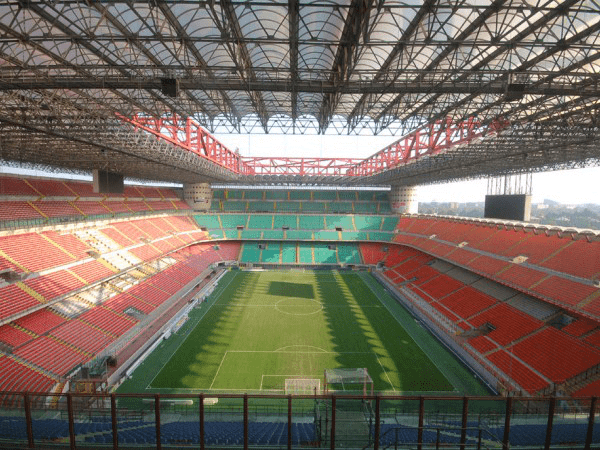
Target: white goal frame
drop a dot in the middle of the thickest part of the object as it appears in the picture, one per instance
(302, 386)
(356, 376)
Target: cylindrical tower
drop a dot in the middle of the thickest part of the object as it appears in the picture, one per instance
(198, 196)
(403, 199)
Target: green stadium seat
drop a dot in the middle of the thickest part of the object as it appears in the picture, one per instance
(218, 193)
(215, 205)
(347, 195)
(354, 236)
(234, 206)
(389, 223)
(318, 207)
(368, 222)
(271, 253)
(384, 208)
(234, 220)
(288, 253)
(300, 195)
(250, 252)
(260, 222)
(382, 196)
(348, 253)
(253, 195)
(323, 255)
(366, 195)
(299, 234)
(259, 206)
(377, 236)
(234, 194)
(273, 234)
(311, 223)
(208, 221)
(305, 253)
(344, 222)
(326, 235)
(276, 194)
(287, 206)
(232, 234)
(325, 195)
(365, 208)
(251, 234)
(340, 207)
(216, 234)
(290, 221)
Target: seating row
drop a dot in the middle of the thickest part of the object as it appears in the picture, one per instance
(287, 194)
(44, 187)
(334, 207)
(551, 250)
(460, 241)
(538, 354)
(281, 222)
(299, 253)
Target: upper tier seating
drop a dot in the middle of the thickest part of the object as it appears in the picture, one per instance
(535, 272)
(32, 252)
(321, 201)
(49, 200)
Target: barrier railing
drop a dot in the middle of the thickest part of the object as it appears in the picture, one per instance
(296, 421)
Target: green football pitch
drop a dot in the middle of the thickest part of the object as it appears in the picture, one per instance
(260, 328)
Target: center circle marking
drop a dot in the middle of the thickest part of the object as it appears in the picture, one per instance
(311, 306)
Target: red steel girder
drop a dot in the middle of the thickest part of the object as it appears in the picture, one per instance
(301, 166)
(189, 135)
(426, 141)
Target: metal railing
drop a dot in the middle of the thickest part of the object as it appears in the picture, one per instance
(153, 413)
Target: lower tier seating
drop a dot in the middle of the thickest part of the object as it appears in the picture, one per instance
(299, 252)
(54, 345)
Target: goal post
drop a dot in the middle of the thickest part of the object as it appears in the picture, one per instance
(302, 386)
(341, 379)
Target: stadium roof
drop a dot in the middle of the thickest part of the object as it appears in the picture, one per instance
(525, 73)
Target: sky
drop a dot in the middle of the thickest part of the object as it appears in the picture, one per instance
(575, 186)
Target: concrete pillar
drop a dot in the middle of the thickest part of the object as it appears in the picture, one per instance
(403, 199)
(107, 182)
(198, 196)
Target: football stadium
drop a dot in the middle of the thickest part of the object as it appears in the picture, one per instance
(159, 289)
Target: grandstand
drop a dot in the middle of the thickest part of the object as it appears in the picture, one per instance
(190, 296)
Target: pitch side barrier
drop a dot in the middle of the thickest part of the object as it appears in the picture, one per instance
(458, 422)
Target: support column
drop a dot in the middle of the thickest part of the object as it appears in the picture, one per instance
(107, 182)
(198, 196)
(403, 199)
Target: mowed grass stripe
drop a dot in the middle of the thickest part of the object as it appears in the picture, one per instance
(259, 313)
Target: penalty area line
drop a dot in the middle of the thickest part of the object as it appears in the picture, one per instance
(216, 374)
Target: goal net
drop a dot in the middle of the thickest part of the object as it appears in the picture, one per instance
(302, 386)
(357, 379)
